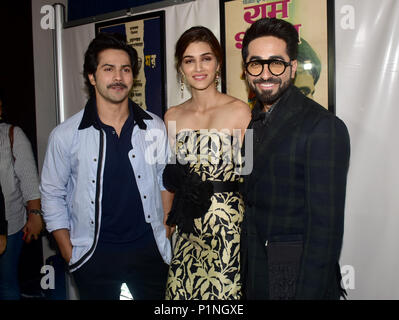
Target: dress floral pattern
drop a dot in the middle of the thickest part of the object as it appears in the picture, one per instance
(206, 263)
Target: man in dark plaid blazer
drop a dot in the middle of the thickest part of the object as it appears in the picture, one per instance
(295, 195)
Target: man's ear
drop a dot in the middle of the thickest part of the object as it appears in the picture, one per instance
(92, 79)
(294, 65)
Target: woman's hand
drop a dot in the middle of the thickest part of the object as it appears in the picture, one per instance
(33, 227)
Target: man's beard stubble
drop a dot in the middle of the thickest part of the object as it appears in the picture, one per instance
(265, 96)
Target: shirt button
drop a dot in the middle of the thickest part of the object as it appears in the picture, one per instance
(93, 181)
(148, 216)
(92, 222)
(139, 176)
(92, 202)
(94, 159)
(145, 197)
(133, 156)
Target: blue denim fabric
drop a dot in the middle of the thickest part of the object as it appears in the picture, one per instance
(9, 283)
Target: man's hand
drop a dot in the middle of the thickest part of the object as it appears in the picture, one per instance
(33, 227)
(3, 243)
(63, 240)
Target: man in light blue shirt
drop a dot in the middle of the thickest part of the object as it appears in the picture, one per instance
(101, 184)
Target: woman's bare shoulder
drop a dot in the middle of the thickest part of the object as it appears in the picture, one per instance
(173, 112)
(235, 105)
(236, 112)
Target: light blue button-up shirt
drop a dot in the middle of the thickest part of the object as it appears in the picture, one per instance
(72, 176)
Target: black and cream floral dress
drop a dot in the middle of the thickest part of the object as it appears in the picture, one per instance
(206, 261)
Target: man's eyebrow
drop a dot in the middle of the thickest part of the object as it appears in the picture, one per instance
(251, 58)
(112, 65)
(277, 57)
(270, 58)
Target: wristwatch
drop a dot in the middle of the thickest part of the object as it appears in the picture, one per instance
(36, 211)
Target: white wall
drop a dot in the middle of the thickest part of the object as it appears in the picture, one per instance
(367, 77)
(45, 97)
(44, 77)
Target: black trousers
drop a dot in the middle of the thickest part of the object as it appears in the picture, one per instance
(140, 266)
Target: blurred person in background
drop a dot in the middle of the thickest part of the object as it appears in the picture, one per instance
(20, 186)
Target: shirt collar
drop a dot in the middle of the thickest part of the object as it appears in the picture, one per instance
(259, 114)
(90, 115)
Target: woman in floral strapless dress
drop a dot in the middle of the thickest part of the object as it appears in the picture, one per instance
(206, 133)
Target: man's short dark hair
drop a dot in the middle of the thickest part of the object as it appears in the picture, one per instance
(272, 27)
(101, 42)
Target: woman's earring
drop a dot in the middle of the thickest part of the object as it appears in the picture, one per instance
(182, 85)
(217, 79)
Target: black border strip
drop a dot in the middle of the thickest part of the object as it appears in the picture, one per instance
(159, 5)
(331, 55)
(223, 41)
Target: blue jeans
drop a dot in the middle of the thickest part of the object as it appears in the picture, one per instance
(9, 282)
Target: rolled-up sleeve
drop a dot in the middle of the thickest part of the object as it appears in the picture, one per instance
(54, 180)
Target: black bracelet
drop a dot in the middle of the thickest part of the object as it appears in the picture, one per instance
(36, 211)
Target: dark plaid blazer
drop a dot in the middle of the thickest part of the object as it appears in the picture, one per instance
(295, 198)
